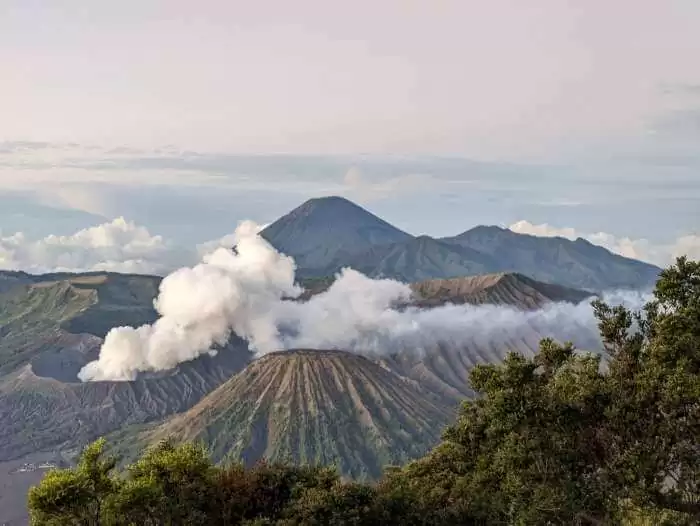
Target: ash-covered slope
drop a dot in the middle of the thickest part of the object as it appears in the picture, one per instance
(50, 329)
(316, 231)
(503, 288)
(444, 367)
(310, 406)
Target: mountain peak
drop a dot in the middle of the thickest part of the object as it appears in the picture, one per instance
(316, 231)
(335, 207)
(483, 231)
(325, 234)
(329, 200)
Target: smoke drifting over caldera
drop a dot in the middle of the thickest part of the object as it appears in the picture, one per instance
(251, 292)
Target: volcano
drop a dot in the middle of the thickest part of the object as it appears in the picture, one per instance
(310, 407)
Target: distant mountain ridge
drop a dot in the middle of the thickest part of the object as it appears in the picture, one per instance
(577, 263)
(412, 260)
(326, 234)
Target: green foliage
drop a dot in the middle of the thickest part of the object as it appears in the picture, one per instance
(170, 484)
(75, 496)
(555, 440)
(560, 438)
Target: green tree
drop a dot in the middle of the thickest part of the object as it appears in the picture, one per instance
(527, 451)
(562, 438)
(264, 491)
(342, 504)
(653, 420)
(75, 496)
(170, 485)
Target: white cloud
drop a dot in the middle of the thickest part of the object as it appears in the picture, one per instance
(250, 293)
(118, 246)
(659, 254)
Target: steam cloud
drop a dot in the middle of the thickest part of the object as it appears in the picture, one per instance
(251, 292)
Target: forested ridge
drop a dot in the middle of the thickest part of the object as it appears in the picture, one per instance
(564, 437)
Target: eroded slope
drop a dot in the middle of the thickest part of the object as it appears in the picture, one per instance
(50, 329)
(310, 406)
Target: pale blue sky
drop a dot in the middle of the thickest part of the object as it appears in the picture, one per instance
(436, 115)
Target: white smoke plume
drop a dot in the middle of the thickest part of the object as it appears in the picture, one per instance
(200, 307)
(356, 314)
(251, 291)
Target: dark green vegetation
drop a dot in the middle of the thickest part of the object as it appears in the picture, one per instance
(552, 439)
(327, 234)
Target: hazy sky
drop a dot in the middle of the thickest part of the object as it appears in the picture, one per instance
(437, 115)
(497, 78)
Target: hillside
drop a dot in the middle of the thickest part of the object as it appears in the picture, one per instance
(326, 234)
(333, 407)
(10, 279)
(318, 407)
(50, 326)
(416, 259)
(444, 367)
(50, 329)
(316, 231)
(557, 260)
(511, 289)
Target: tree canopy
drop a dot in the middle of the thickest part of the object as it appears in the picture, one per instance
(564, 437)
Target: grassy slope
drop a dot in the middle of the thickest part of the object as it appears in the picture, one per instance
(43, 406)
(31, 315)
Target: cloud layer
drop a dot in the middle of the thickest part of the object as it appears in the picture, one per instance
(117, 246)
